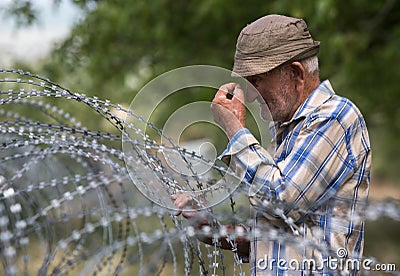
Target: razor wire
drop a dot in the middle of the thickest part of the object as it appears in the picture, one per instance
(68, 205)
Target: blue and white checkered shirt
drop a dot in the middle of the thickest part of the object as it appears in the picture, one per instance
(307, 197)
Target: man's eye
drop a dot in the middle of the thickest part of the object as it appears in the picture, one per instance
(253, 80)
(256, 80)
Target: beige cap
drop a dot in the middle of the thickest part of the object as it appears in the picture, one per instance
(271, 41)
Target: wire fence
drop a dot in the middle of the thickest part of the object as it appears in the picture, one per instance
(72, 201)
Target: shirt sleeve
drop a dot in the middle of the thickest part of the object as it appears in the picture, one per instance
(315, 166)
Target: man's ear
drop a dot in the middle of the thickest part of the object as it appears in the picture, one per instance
(298, 74)
(297, 70)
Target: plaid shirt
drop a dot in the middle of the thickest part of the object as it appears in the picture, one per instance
(308, 197)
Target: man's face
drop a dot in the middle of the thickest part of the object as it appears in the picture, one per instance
(275, 94)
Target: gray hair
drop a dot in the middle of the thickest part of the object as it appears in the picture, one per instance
(311, 64)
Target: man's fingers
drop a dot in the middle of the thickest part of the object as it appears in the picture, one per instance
(229, 87)
(228, 93)
(181, 200)
(238, 93)
(220, 96)
(174, 196)
(189, 214)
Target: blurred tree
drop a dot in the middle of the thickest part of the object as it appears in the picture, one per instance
(119, 45)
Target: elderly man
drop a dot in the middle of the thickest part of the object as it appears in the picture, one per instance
(314, 185)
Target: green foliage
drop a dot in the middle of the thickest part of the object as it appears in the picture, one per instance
(22, 11)
(119, 45)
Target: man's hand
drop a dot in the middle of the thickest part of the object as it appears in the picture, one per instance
(199, 219)
(229, 111)
(186, 200)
